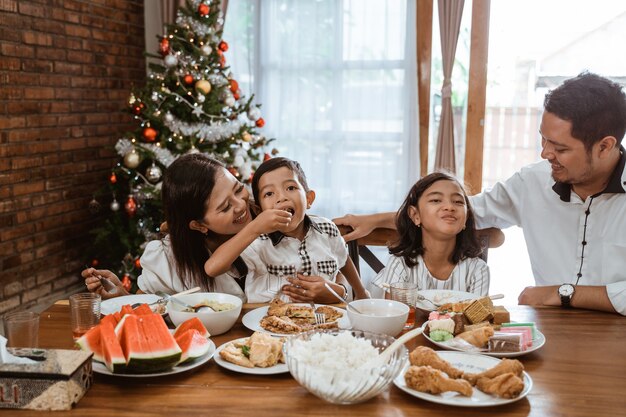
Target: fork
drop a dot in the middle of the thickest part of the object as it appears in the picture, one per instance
(320, 318)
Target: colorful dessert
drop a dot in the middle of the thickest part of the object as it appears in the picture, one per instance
(505, 342)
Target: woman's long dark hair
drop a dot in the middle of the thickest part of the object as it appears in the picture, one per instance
(409, 244)
(187, 185)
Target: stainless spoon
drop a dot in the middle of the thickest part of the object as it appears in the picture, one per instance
(333, 292)
(195, 309)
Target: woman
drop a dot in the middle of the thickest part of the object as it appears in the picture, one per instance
(205, 205)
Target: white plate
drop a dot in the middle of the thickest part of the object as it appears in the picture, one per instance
(538, 342)
(252, 319)
(115, 304)
(469, 362)
(100, 368)
(440, 297)
(276, 369)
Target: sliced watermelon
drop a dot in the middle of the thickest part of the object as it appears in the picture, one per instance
(126, 309)
(192, 323)
(90, 342)
(110, 318)
(147, 343)
(142, 310)
(193, 345)
(111, 349)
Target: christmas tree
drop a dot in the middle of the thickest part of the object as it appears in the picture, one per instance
(190, 103)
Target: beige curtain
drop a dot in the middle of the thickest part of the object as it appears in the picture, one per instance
(450, 13)
(169, 7)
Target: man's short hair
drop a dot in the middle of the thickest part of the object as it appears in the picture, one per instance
(595, 105)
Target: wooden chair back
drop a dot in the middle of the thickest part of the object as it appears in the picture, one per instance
(489, 238)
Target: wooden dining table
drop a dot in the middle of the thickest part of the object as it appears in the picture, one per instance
(580, 371)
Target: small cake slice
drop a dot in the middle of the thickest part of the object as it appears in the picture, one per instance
(501, 315)
(479, 310)
(505, 342)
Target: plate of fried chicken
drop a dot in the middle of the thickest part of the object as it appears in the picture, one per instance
(463, 379)
(281, 318)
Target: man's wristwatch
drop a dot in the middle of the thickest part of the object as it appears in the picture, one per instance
(566, 292)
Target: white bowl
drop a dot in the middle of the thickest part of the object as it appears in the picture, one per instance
(215, 322)
(379, 316)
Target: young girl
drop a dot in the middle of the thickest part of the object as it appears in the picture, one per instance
(437, 247)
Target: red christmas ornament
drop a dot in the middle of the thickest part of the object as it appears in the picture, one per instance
(266, 157)
(236, 96)
(130, 206)
(260, 122)
(223, 46)
(150, 134)
(203, 10)
(138, 108)
(222, 61)
(137, 263)
(188, 79)
(113, 178)
(164, 46)
(95, 263)
(126, 283)
(234, 86)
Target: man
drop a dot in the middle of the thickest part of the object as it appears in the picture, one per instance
(572, 206)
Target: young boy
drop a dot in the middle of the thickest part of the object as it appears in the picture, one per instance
(304, 248)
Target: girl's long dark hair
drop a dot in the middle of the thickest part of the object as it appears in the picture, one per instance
(187, 185)
(409, 244)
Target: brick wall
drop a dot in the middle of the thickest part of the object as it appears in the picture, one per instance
(66, 69)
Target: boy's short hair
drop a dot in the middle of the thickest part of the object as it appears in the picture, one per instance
(272, 165)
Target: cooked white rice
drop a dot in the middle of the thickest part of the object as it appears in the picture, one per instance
(333, 352)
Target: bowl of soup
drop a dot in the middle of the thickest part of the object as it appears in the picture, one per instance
(378, 316)
(217, 311)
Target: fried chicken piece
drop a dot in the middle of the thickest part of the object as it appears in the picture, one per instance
(427, 379)
(506, 385)
(279, 325)
(505, 366)
(425, 356)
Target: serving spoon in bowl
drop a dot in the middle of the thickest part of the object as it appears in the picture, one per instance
(340, 298)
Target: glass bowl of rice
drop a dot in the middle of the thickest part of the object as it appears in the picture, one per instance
(340, 366)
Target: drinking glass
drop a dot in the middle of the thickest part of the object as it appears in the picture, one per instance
(22, 329)
(405, 292)
(84, 312)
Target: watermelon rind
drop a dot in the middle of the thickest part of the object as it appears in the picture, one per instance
(90, 342)
(193, 345)
(147, 344)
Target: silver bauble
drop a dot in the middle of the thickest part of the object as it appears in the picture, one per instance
(254, 113)
(230, 101)
(115, 206)
(171, 61)
(206, 50)
(153, 173)
(169, 117)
